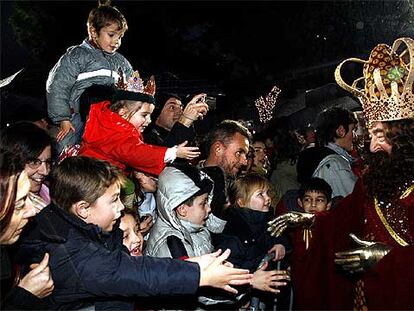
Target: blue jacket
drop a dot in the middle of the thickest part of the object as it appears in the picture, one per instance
(90, 267)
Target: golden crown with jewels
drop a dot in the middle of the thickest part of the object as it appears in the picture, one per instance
(388, 75)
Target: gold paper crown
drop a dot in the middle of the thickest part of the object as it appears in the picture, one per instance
(136, 84)
(387, 93)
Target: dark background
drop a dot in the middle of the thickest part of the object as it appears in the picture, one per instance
(236, 48)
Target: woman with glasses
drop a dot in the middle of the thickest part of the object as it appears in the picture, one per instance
(16, 207)
(33, 147)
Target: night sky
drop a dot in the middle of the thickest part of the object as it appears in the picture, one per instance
(240, 48)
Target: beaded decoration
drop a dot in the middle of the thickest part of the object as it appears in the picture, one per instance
(387, 93)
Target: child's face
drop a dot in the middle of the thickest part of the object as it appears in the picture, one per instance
(142, 117)
(148, 183)
(260, 200)
(314, 201)
(199, 211)
(109, 37)
(133, 239)
(106, 209)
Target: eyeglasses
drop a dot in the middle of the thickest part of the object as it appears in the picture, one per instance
(36, 163)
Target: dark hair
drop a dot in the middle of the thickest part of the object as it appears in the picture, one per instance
(105, 14)
(318, 185)
(82, 179)
(225, 131)
(328, 121)
(287, 146)
(160, 99)
(10, 169)
(26, 140)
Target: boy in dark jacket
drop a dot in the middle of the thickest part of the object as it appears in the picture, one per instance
(89, 264)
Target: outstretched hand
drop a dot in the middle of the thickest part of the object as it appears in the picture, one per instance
(292, 219)
(269, 280)
(216, 272)
(188, 153)
(363, 258)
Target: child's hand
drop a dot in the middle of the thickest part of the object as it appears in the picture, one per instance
(269, 280)
(216, 272)
(279, 251)
(187, 153)
(65, 127)
(146, 224)
(39, 280)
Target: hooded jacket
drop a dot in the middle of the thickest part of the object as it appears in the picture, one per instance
(174, 188)
(110, 137)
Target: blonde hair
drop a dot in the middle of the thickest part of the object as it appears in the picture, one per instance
(244, 187)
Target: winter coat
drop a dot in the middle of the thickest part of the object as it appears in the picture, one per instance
(179, 133)
(14, 297)
(80, 67)
(93, 268)
(174, 188)
(110, 137)
(245, 234)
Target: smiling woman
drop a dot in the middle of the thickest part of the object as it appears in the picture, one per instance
(15, 210)
(33, 148)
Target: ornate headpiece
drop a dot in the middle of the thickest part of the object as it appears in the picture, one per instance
(387, 93)
(134, 88)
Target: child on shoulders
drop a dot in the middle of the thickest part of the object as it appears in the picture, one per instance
(114, 129)
(94, 61)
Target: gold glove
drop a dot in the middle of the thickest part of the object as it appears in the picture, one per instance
(363, 258)
(291, 220)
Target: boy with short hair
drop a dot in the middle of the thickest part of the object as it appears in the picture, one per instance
(315, 195)
(89, 264)
(183, 197)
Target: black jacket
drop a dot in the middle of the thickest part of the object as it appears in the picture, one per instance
(90, 267)
(156, 135)
(14, 297)
(245, 234)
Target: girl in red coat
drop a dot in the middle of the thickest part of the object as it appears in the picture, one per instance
(114, 129)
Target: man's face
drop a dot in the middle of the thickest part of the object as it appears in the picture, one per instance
(379, 141)
(170, 113)
(106, 209)
(233, 156)
(346, 141)
(314, 201)
(259, 153)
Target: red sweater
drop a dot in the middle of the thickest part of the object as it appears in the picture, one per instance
(110, 137)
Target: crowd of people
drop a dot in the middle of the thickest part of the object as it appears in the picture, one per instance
(112, 205)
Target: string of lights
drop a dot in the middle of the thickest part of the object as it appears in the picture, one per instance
(265, 105)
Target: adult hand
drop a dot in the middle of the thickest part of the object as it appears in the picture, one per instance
(363, 258)
(279, 251)
(187, 153)
(269, 280)
(39, 280)
(216, 272)
(291, 220)
(195, 109)
(65, 127)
